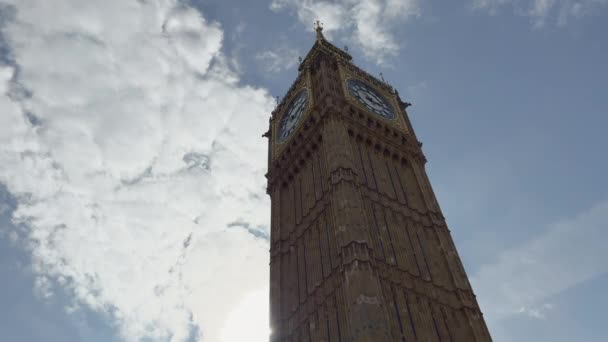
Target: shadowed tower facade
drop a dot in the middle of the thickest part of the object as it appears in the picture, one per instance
(359, 248)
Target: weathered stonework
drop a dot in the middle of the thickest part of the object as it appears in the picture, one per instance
(359, 248)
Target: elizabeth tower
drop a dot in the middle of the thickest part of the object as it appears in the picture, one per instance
(359, 248)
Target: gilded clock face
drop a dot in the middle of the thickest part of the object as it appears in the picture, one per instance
(293, 114)
(370, 98)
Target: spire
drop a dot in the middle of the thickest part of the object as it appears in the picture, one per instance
(319, 28)
(322, 45)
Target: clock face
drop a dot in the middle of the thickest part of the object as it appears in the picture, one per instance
(293, 114)
(369, 97)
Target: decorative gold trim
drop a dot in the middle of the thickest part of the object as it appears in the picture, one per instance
(346, 75)
(277, 145)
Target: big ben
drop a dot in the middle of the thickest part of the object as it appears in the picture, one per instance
(360, 250)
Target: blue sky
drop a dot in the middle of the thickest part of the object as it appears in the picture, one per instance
(132, 203)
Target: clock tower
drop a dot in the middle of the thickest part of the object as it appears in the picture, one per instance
(359, 248)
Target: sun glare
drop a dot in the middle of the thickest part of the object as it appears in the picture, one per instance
(249, 320)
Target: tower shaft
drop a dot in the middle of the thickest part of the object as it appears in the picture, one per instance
(360, 250)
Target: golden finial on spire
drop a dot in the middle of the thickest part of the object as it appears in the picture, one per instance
(319, 28)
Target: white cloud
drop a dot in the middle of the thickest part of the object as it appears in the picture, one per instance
(282, 58)
(369, 24)
(541, 11)
(130, 146)
(13, 237)
(43, 287)
(538, 312)
(4, 208)
(568, 253)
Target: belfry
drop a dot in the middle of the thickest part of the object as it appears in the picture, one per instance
(360, 250)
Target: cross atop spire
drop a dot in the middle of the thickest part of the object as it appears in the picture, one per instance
(319, 28)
